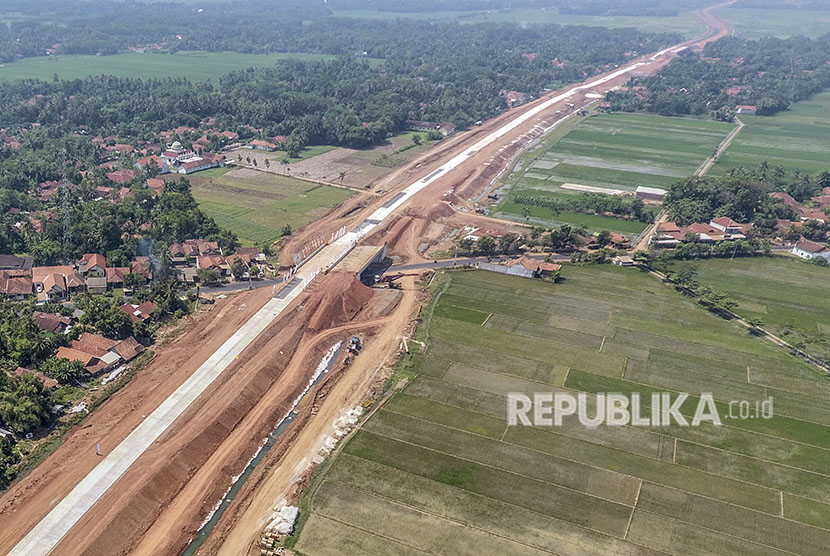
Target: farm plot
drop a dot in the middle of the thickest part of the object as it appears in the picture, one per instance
(794, 139)
(258, 205)
(684, 23)
(438, 470)
(791, 297)
(614, 152)
(754, 23)
(356, 168)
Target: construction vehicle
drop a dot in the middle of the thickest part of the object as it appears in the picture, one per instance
(390, 280)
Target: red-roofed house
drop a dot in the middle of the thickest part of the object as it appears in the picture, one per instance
(446, 128)
(93, 264)
(536, 269)
(806, 214)
(14, 287)
(156, 185)
(214, 262)
(259, 144)
(124, 175)
(160, 163)
(746, 109)
(92, 364)
(50, 322)
(56, 283)
(115, 276)
(514, 98)
(47, 381)
(141, 265)
(786, 198)
(810, 250)
(141, 312)
(205, 162)
(727, 225)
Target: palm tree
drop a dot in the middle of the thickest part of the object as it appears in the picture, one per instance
(341, 176)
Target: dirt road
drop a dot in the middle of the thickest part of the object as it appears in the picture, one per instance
(349, 391)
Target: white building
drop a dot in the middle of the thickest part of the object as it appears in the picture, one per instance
(809, 250)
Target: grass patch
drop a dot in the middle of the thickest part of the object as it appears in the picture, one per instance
(258, 205)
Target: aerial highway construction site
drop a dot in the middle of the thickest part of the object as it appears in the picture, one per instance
(303, 358)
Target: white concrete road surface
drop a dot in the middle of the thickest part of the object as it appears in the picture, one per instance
(46, 535)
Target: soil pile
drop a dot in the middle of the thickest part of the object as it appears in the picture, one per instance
(337, 304)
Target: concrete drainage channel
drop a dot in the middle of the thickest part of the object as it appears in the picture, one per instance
(213, 518)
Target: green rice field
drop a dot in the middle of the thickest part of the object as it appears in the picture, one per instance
(257, 205)
(755, 23)
(684, 23)
(610, 151)
(786, 293)
(195, 66)
(437, 469)
(795, 139)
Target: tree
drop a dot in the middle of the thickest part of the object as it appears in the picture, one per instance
(603, 238)
(208, 276)
(162, 262)
(103, 313)
(526, 213)
(286, 230)
(416, 139)
(465, 244)
(267, 163)
(8, 458)
(132, 280)
(63, 370)
(27, 406)
(341, 176)
(486, 245)
(641, 257)
(237, 268)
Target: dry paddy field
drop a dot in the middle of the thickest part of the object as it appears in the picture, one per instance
(257, 205)
(437, 470)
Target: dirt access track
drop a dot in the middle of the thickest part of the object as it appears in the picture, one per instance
(162, 498)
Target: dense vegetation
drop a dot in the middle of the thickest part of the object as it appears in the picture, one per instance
(591, 203)
(767, 73)
(441, 73)
(96, 225)
(99, 26)
(584, 7)
(744, 196)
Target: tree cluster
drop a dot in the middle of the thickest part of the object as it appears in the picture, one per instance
(767, 73)
(591, 203)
